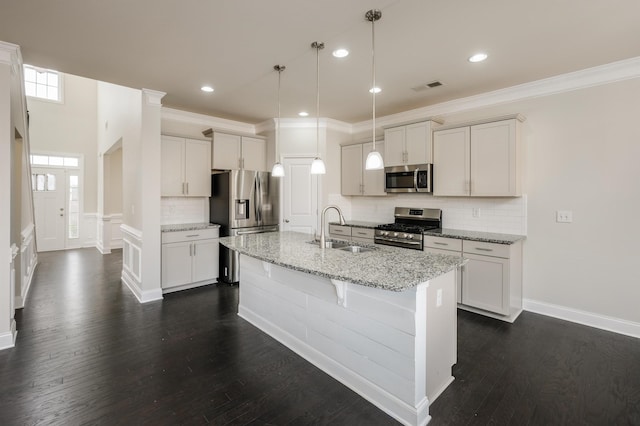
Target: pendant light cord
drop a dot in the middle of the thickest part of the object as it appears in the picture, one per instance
(280, 68)
(373, 79)
(318, 47)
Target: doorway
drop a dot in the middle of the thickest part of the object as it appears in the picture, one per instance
(56, 183)
(300, 191)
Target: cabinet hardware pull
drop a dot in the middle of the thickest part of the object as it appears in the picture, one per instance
(440, 244)
(193, 235)
(483, 249)
(190, 250)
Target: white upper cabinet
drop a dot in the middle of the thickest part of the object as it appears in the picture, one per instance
(482, 160)
(410, 144)
(232, 152)
(355, 180)
(186, 170)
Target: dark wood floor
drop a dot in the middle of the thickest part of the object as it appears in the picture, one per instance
(89, 353)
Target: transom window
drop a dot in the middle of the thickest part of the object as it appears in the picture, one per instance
(54, 160)
(42, 83)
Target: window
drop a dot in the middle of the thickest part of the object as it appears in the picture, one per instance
(74, 207)
(54, 160)
(43, 84)
(43, 182)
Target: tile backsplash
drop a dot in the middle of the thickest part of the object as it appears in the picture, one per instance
(175, 210)
(502, 215)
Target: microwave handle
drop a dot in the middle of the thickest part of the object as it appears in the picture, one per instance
(415, 179)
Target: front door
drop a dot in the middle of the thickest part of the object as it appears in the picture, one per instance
(49, 206)
(299, 196)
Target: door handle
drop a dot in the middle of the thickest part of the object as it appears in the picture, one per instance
(286, 221)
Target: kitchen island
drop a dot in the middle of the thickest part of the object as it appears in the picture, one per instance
(382, 322)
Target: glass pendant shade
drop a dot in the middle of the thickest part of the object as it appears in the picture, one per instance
(374, 161)
(277, 170)
(317, 167)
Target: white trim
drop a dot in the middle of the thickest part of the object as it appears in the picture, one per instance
(590, 319)
(8, 339)
(143, 296)
(304, 123)
(10, 53)
(153, 97)
(131, 231)
(595, 76)
(206, 121)
(394, 407)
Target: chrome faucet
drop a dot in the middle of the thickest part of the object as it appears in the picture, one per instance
(323, 239)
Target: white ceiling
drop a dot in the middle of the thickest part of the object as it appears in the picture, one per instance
(176, 46)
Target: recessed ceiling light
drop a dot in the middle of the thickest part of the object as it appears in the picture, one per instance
(478, 57)
(303, 113)
(375, 90)
(207, 89)
(340, 53)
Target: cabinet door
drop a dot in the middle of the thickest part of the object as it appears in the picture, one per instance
(197, 170)
(394, 146)
(351, 170)
(172, 163)
(451, 161)
(254, 154)
(225, 153)
(418, 143)
(493, 159)
(205, 260)
(373, 180)
(458, 271)
(176, 264)
(485, 283)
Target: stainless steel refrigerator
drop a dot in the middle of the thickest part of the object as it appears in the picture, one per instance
(242, 202)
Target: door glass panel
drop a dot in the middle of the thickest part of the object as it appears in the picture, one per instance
(40, 182)
(74, 207)
(51, 182)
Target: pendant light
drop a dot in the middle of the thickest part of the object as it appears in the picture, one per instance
(374, 159)
(317, 165)
(278, 168)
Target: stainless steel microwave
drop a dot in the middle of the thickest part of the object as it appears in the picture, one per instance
(413, 178)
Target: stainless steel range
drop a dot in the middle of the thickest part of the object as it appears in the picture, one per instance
(409, 227)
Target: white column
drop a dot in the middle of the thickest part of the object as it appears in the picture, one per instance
(150, 194)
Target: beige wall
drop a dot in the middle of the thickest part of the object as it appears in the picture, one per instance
(69, 127)
(114, 205)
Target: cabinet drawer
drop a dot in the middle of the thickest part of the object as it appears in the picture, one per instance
(486, 249)
(340, 230)
(193, 235)
(362, 232)
(443, 243)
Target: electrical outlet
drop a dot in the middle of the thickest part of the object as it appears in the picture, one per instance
(475, 212)
(564, 216)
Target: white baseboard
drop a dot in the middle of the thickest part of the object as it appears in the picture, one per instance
(388, 403)
(590, 319)
(143, 296)
(8, 339)
(101, 248)
(21, 299)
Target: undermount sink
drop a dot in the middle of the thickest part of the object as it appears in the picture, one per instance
(344, 246)
(356, 249)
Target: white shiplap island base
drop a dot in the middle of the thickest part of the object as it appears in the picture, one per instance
(393, 347)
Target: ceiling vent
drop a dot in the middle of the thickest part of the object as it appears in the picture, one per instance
(426, 86)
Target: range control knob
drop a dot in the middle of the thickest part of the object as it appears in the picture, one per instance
(395, 234)
(405, 236)
(409, 236)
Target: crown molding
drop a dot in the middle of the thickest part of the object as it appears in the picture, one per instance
(303, 123)
(153, 97)
(207, 121)
(10, 53)
(590, 77)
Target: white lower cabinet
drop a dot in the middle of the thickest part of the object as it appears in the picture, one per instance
(189, 259)
(491, 281)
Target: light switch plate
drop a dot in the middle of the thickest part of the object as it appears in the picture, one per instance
(564, 216)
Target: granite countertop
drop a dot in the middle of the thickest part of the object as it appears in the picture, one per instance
(188, 227)
(486, 237)
(358, 224)
(385, 267)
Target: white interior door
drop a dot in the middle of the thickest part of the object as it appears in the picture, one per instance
(299, 196)
(49, 206)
